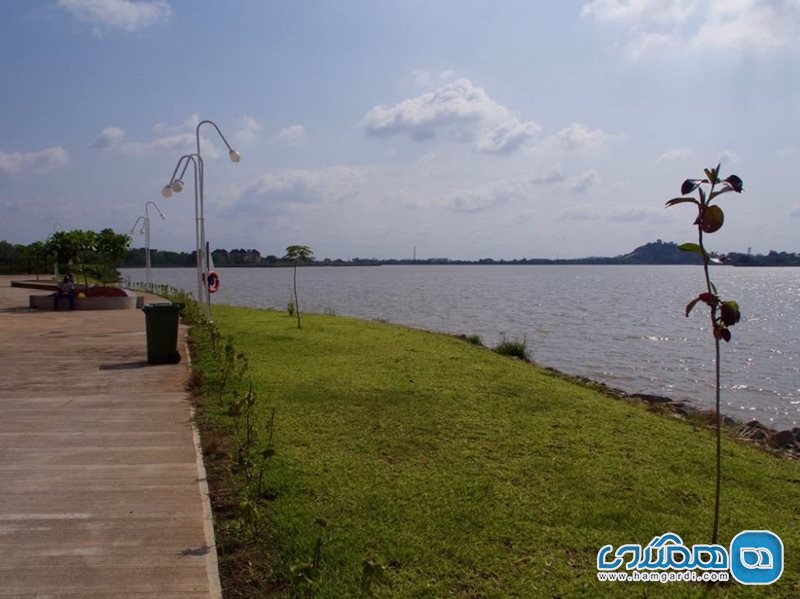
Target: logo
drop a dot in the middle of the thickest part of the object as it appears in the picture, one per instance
(756, 557)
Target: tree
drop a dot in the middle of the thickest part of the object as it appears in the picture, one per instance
(297, 253)
(87, 249)
(111, 249)
(36, 253)
(723, 314)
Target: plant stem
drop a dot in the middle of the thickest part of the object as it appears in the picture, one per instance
(713, 316)
(296, 302)
(719, 451)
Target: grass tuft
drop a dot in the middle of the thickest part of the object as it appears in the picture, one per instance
(515, 348)
(472, 339)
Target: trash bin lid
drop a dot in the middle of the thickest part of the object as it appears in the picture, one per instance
(162, 307)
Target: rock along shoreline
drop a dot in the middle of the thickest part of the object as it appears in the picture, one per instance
(784, 443)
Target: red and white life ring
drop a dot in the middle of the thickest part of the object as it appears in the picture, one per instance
(212, 281)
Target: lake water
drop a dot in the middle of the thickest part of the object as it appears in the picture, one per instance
(622, 325)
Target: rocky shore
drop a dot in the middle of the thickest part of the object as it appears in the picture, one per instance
(783, 442)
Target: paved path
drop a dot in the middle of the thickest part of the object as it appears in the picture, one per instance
(102, 493)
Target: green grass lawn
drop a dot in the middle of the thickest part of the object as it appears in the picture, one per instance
(470, 474)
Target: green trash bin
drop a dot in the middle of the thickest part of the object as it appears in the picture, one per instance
(161, 324)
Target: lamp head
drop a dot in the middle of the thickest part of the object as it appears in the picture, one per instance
(177, 186)
(234, 156)
(166, 191)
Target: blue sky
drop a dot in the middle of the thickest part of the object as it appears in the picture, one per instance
(467, 129)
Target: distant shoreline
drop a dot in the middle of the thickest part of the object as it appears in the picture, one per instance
(463, 263)
(649, 254)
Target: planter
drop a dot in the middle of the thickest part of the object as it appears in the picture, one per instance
(122, 299)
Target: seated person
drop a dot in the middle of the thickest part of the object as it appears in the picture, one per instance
(66, 288)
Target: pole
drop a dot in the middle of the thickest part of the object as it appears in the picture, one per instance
(208, 294)
(147, 248)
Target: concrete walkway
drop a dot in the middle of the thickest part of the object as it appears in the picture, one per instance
(102, 490)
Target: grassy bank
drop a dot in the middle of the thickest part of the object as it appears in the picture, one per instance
(464, 473)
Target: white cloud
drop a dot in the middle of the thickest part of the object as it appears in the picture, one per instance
(578, 137)
(293, 135)
(182, 142)
(461, 111)
(488, 196)
(728, 158)
(757, 25)
(501, 192)
(274, 192)
(183, 138)
(429, 157)
(110, 136)
(188, 125)
(635, 213)
(248, 133)
(635, 11)
(507, 137)
(752, 26)
(584, 182)
(120, 14)
(644, 44)
(458, 108)
(631, 213)
(579, 212)
(795, 213)
(424, 78)
(554, 175)
(38, 162)
(675, 154)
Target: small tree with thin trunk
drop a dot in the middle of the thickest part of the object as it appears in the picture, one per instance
(722, 314)
(297, 254)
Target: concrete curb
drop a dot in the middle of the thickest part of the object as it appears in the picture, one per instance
(212, 562)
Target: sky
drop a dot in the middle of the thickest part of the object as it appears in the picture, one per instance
(463, 128)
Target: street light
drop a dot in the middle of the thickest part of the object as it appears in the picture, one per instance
(143, 220)
(146, 231)
(147, 237)
(176, 185)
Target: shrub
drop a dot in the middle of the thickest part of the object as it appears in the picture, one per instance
(515, 348)
(474, 340)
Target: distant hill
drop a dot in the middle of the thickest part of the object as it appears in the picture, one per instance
(658, 252)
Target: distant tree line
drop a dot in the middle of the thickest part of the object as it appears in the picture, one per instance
(656, 252)
(40, 256)
(773, 258)
(93, 254)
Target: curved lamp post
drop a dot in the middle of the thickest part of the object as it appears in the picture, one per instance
(176, 185)
(142, 231)
(146, 231)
